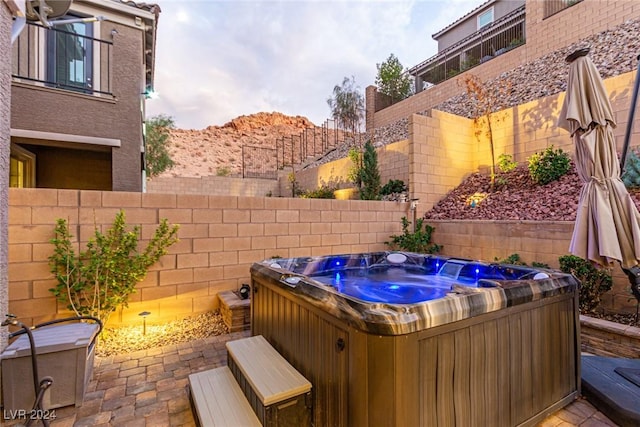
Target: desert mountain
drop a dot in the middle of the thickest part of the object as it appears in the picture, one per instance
(217, 150)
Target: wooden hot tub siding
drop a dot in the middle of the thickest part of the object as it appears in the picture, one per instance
(505, 368)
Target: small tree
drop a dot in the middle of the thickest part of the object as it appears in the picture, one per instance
(393, 80)
(347, 105)
(100, 279)
(158, 136)
(355, 171)
(370, 173)
(486, 100)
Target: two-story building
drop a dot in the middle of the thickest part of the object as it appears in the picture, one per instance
(491, 29)
(78, 95)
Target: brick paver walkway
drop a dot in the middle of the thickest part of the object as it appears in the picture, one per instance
(149, 389)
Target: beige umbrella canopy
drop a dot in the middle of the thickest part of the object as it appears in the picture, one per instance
(607, 226)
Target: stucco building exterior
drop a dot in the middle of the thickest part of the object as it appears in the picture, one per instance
(78, 94)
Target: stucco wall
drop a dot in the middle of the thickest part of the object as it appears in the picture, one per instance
(5, 108)
(119, 117)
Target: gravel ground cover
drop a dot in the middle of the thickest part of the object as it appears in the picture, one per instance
(131, 338)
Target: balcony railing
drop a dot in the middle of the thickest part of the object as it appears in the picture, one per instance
(491, 40)
(60, 57)
(551, 7)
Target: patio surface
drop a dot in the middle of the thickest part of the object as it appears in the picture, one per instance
(148, 388)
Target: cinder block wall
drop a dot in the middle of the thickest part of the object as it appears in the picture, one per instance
(220, 237)
(393, 163)
(214, 186)
(534, 241)
(543, 36)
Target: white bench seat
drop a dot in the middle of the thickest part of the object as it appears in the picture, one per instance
(219, 401)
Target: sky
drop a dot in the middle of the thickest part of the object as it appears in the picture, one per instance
(217, 60)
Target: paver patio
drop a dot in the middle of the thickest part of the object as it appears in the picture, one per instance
(149, 389)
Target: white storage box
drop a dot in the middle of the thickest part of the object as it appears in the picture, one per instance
(63, 353)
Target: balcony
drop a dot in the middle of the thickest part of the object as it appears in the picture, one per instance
(490, 41)
(65, 57)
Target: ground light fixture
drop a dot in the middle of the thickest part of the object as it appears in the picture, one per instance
(144, 315)
(244, 291)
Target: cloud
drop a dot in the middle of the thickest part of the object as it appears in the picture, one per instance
(220, 59)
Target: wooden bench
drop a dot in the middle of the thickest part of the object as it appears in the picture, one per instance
(277, 392)
(218, 400)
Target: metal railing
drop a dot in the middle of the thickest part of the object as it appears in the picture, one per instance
(296, 149)
(491, 40)
(60, 58)
(259, 162)
(551, 7)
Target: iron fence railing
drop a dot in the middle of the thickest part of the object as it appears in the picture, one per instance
(259, 162)
(296, 149)
(551, 7)
(60, 57)
(491, 40)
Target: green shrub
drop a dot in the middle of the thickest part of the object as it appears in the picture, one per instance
(100, 279)
(322, 192)
(223, 171)
(549, 165)
(414, 241)
(370, 174)
(631, 172)
(595, 282)
(393, 186)
(354, 174)
(506, 163)
(515, 259)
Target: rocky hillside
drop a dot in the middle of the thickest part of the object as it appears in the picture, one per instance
(217, 150)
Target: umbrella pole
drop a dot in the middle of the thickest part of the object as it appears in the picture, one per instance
(632, 111)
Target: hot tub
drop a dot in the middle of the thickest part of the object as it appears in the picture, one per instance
(402, 339)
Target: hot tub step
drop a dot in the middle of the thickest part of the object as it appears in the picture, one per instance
(278, 393)
(218, 401)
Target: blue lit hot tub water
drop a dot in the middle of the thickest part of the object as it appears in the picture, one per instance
(402, 278)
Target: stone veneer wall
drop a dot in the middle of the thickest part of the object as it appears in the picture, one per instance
(220, 237)
(609, 339)
(543, 36)
(214, 186)
(5, 109)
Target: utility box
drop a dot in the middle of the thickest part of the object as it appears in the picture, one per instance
(64, 352)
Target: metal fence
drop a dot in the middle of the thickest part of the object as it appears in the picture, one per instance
(259, 162)
(551, 7)
(296, 149)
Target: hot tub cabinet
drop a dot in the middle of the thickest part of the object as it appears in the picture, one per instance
(504, 355)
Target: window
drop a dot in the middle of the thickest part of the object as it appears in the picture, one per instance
(70, 55)
(485, 18)
(22, 168)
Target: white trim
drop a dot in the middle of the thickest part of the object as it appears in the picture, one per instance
(64, 137)
(121, 7)
(493, 17)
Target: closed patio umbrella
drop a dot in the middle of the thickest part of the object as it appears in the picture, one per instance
(607, 226)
